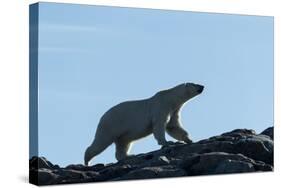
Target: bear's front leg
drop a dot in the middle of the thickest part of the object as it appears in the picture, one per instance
(175, 130)
(159, 133)
(178, 133)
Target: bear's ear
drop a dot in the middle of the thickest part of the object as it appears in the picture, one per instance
(187, 84)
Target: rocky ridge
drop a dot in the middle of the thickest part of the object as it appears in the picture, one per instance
(238, 151)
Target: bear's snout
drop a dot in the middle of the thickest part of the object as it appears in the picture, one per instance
(200, 88)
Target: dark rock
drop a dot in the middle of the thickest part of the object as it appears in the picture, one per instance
(240, 132)
(261, 166)
(114, 172)
(268, 132)
(238, 151)
(148, 157)
(40, 162)
(156, 161)
(189, 161)
(136, 160)
(81, 167)
(71, 174)
(97, 167)
(154, 172)
(47, 177)
(258, 147)
(163, 160)
(233, 166)
(91, 174)
(214, 163)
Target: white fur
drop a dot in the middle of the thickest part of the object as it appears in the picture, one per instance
(133, 120)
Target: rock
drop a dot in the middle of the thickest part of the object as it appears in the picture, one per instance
(148, 157)
(214, 163)
(268, 132)
(163, 160)
(154, 172)
(81, 167)
(97, 167)
(155, 161)
(47, 177)
(91, 174)
(114, 172)
(258, 147)
(237, 151)
(240, 132)
(71, 174)
(233, 166)
(40, 162)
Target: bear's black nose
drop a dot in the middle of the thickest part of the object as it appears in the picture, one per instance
(200, 89)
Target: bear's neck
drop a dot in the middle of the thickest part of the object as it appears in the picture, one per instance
(175, 104)
(171, 100)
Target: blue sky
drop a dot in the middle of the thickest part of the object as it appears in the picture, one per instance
(94, 57)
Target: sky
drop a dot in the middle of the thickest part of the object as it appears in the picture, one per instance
(91, 58)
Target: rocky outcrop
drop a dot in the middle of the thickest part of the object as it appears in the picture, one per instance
(238, 151)
(268, 132)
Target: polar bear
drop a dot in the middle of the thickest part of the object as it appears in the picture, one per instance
(132, 120)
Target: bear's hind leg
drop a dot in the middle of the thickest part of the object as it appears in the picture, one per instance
(122, 148)
(98, 146)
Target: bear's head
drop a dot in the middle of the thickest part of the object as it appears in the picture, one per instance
(187, 91)
(180, 94)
